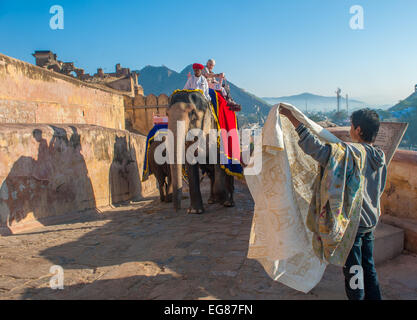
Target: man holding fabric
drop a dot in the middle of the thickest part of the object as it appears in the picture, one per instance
(371, 184)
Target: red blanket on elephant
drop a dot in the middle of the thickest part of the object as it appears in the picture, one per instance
(229, 137)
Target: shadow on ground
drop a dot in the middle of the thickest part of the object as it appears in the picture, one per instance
(148, 251)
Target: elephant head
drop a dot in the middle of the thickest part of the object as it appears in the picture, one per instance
(193, 109)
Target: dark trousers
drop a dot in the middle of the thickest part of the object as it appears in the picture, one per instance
(361, 281)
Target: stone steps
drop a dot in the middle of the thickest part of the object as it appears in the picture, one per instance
(389, 242)
(409, 227)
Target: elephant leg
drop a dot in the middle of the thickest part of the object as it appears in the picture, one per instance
(212, 198)
(157, 171)
(219, 187)
(161, 185)
(169, 187)
(196, 201)
(209, 169)
(230, 188)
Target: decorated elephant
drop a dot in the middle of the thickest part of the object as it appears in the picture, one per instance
(196, 112)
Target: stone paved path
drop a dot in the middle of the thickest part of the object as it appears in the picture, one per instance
(147, 251)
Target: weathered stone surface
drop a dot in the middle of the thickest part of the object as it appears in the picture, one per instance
(400, 196)
(141, 118)
(30, 94)
(410, 230)
(151, 100)
(389, 242)
(163, 100)
(146, 250)
(52, 170)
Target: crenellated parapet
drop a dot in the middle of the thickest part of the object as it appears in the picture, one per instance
(139, 111)
(122, 79)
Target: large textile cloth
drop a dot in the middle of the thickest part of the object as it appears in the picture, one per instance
(336, 204)
(226, 120)
(155, 131)
(283, 192)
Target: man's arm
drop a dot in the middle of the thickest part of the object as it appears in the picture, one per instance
(308, 142)
(312, 146)
(209, 75)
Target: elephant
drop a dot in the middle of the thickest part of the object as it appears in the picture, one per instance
(195, 110)
(162, 173)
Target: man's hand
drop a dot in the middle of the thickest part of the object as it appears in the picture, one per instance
(289, 115)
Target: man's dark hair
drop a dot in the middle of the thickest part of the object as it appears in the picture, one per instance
(369, 122)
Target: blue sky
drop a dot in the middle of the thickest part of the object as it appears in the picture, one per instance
(269, 47)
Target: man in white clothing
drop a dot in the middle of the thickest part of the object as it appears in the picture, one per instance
(219, 85)
(198, 81)
(210, 75)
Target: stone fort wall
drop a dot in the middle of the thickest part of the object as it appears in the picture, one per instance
(48, 171)
(64, 148)
(139, 111)
(30, 94)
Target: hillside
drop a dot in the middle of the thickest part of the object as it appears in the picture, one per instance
(407, 104)
(406, 111)
(159, 80)
(315, 102)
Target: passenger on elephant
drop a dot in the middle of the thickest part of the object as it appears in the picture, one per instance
(197, 81)
(210, 75)
(219, 85)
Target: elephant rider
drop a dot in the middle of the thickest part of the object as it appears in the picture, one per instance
(197, 81)
(210, 75)
(215, 84)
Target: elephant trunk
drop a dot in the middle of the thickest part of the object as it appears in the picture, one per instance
(177, 123)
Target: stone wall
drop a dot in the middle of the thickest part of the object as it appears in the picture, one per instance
(47, 171)
(139, 111)
(30, 94)
(400, 196)
(399, 201)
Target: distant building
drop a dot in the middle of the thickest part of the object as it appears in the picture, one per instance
(123, 79)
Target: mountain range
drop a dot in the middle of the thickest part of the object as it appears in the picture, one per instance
(312, 102)
(161, 79)
(157, 80)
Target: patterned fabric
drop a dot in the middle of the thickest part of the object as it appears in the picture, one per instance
(336, 204)
(158, 129)
(280, 237)
(227, 122)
